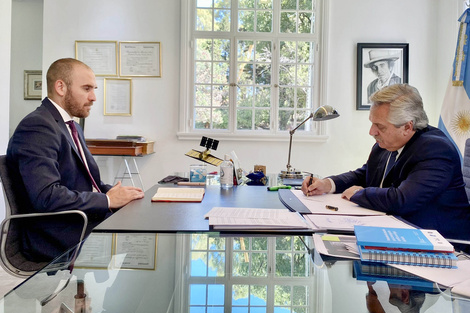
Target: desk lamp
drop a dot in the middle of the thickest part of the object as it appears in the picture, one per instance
(323, 113)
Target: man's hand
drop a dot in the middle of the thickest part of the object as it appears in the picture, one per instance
(119, 195)
(348, 193)
(315, 186)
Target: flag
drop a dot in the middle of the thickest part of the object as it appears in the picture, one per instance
(455, 112)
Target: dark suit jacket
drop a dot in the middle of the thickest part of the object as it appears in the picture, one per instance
(425, 186)
(43, 156)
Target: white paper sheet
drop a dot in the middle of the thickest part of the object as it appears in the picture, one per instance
(317, 205)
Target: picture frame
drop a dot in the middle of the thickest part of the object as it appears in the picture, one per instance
(96, 252)
(379, 61)
(140, 58)
(100, 56)
(32, 84)
(118, 96)
(139, 251)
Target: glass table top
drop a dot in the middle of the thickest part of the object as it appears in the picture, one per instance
(214, 272)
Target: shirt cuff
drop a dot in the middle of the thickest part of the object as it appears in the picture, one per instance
(333, 185)
(109, 203)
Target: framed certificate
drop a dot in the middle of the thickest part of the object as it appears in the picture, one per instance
(139, 58)
(101, 56)
(118, 96)
(96, 251)
(139, 251)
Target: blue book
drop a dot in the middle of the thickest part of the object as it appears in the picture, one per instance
(429, 259)
(388, 238)
(370, 271)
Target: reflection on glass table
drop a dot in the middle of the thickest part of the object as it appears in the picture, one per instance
(175, 273)
(206, 272)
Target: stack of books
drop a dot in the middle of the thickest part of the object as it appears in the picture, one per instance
(420, 247)
(371, 272)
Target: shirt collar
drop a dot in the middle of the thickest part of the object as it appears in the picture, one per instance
(65, 116)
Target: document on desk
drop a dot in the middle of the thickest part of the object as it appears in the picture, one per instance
(336, 245)
(318, 205)
(179, 194)
(457, 279)
(345, 223)
(255, 218)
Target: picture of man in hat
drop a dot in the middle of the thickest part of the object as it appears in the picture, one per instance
(382, 63)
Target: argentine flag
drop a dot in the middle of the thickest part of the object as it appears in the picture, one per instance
(455, 113)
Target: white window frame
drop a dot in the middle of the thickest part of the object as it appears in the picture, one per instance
(183, 277)
(186, 107)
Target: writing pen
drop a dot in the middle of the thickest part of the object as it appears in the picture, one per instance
(310, 182)
(333, 208)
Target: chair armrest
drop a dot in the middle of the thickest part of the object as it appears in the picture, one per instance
(5, 262)
(32, 215)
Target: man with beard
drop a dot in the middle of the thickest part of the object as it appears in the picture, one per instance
(413, 170)
(57, 172)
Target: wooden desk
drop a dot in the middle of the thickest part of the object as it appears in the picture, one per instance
(146, 216)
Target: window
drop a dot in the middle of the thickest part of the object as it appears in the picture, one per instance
(247, 274)
(249, 67)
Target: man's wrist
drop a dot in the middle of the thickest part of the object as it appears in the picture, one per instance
(333, 185)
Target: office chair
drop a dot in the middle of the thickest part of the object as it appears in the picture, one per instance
(466, 168)
(11, 257)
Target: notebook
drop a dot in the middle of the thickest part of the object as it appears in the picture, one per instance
(179, 194)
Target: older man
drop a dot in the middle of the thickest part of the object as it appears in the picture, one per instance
(413, 170)
(48, 153)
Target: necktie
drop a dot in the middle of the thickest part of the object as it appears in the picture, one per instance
(79, 147)
(391, 162)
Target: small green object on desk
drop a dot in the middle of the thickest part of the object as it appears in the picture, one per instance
(276, 188)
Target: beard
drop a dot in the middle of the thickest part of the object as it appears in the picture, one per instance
(74, 107)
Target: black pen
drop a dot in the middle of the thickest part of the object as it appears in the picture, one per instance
(310, 182)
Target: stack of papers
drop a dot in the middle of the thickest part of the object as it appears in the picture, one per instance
(229, 218)
(318, 205)
(346, 223)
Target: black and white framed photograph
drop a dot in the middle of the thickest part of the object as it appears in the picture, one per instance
(379, 65)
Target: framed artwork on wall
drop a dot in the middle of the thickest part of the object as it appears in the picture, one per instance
(379, 65)
(32, 85)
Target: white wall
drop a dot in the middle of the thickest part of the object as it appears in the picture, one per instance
(26, 44)
(5, 42)
(429, 26)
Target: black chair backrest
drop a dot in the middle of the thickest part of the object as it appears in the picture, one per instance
(14, 189)
(466, 168)
(16, 202)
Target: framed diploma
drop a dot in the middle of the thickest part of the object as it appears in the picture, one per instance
(96, 251)
(101, 56)
(139, 251)
(118, 96)
(140, 58)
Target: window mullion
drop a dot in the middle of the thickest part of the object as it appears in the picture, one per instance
(227, 117)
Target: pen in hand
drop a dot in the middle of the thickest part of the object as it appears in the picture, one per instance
(309, 182)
